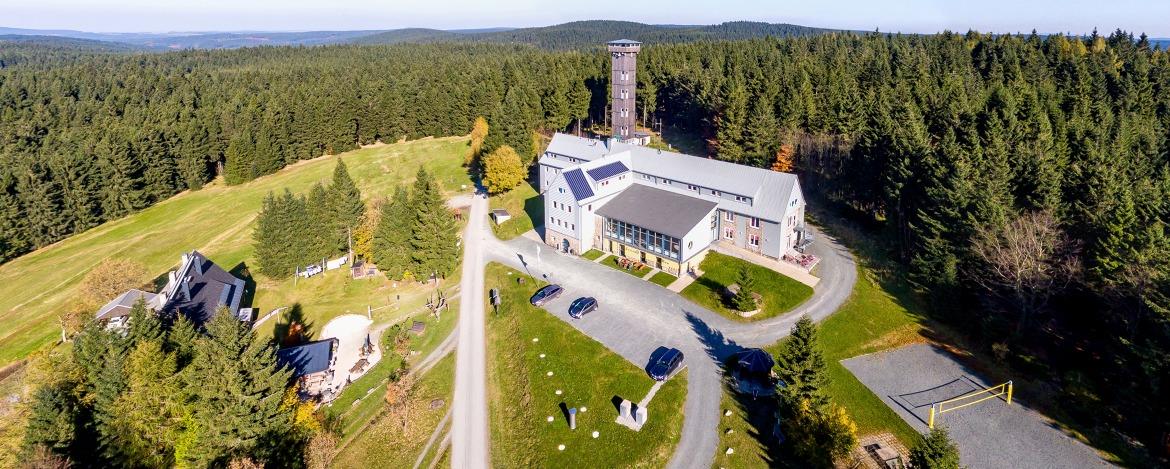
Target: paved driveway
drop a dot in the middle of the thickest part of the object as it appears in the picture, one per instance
(636, 316)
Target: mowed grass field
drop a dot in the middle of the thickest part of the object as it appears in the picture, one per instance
(217, 220)
(538, 363)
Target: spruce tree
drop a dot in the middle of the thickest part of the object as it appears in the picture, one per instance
(433, 238)
(237, 390)
(392, 237)
(744, 299)
(800, 366)
(182, 338)
(347, 205)
(936, 451)
(144, 324)
(54, 419)
(321, 238)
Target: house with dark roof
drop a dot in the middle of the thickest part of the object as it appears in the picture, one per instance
(196, 290)
(312, 364)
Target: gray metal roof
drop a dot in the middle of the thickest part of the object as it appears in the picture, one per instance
(769, 190)
(623, 41)
(208, 288)
(121, 305)
(658, 210)
(587, 149)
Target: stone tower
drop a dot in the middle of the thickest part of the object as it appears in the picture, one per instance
(624, 56)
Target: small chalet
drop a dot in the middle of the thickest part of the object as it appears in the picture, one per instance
(312, 365)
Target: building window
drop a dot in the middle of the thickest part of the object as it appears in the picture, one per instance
(728, 216)
(715, 193)
(590, 207)
(561, 189)
(755, 222)
(571, 211)
(692, 187)
(573, 226)
(690, 244)
(740, 198)
(729, 233)
(754, 240)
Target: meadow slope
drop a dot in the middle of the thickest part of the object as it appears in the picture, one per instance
(217, 220)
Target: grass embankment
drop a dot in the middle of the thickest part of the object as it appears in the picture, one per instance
(592, 254)
(524, 205)
(384, 443)
(612, 261)
(217, 220)
(361, 401)
(522, 395)
(779, 293)
(663, 278)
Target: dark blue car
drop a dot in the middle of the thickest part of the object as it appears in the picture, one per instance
(581, 307)
(664, 362)
(546, 294)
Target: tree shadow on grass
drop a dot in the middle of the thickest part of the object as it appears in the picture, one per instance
(534, 208)
(242, 272)
(292, 328)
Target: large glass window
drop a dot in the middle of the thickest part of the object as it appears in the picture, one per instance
(641, 238)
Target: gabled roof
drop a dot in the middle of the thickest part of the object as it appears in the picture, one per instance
(608, 170)
(208, 288)
(578, 184)
(121, 305)
(587, 149)
(663, 211)
(308, 358)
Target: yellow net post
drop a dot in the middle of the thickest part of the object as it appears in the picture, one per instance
(1009, 392)
(931, 423)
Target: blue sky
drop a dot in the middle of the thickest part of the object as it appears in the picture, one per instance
(920, 16)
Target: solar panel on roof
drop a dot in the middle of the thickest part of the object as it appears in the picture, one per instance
(608, 171)
(578, 184)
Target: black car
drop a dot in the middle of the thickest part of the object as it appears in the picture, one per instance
(582, 306)
(664, 362)
(546, 294)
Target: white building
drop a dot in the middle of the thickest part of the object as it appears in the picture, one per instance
(662, 208)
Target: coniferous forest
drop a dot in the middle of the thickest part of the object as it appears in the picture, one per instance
(1020, 182)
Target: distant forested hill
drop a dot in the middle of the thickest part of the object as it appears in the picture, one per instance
(588, 34)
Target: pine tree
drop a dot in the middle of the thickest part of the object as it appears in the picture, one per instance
(936, 451)
(150, 413)
(433, 238)
(238, 167)
(762, 134)
(744, 298)
(392, 237)
(800, 366)
(182, 338)
(144, 324)
(237, 389)
(347, 204)
(732, 120)
(54, 420)
(321, 238)
(282, 237)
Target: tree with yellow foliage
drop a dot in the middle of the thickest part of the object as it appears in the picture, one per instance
(783, 160)
(479, 131)
(502, 170)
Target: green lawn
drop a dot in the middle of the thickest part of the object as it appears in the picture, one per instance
(751, 422)
(663, 278)
(386, 444)
(780, 294)
(593, 254)
(34, 287)
(612, 261)
(522, 395)
(524, 204)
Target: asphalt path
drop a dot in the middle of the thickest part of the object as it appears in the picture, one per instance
(469, 425)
